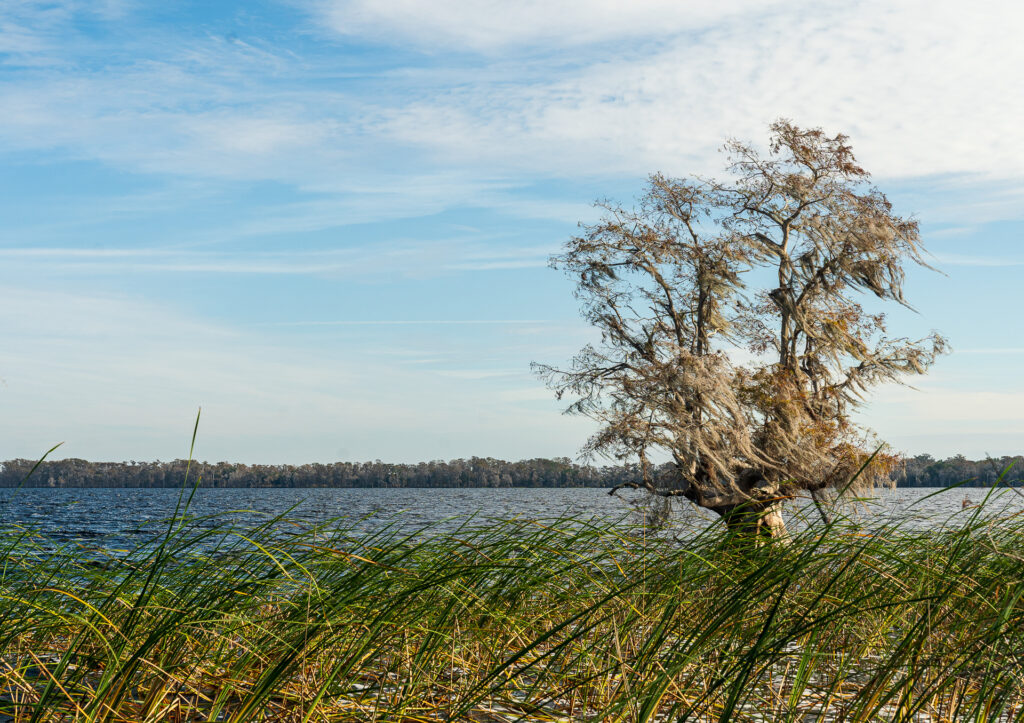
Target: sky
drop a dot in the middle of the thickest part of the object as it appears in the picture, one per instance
(327, 223)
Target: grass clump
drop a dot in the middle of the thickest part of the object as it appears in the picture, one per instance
(565, 619)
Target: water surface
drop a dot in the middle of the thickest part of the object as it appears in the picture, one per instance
(121, 516)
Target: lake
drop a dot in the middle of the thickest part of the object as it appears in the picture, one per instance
(117, 517)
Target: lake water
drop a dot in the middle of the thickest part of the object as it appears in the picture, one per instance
(118, 517)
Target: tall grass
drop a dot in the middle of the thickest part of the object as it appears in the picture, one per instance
(564, 619)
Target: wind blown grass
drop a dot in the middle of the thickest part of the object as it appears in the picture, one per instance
(563, 619)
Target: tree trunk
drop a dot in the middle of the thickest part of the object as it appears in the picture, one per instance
(757, 522)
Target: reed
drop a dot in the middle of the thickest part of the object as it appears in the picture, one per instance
(562, 619)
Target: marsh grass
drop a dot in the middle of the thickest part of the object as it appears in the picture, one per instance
(564, 619)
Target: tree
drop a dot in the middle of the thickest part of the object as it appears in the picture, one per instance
(768, 265)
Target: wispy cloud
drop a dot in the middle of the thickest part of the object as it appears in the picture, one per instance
(407, 322)
(121, 260)
(951, 231)
(117, 378)
(477, 374)
(994, 350)
(410, 258)
(79, 253)
(937, 63)
(34, 33)
(946, 421)
(970, 260)
(495, 25)
(225, 109)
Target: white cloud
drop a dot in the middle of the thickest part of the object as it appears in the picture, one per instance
(117, 378)
(410, 322)
(578, 89)
(478, 374)
(532, 393)
(994, 350)
(409, 258)
(494, 25)
(958, 408)
(943, 419)
(32, 32)
(920, 87)
(952, 231)
(948, 259)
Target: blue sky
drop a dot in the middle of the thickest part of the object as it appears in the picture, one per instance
(327, 222)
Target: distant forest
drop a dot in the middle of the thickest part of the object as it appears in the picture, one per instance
(919, 471)
(475, 472)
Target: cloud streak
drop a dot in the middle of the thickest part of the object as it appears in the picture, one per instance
(118, 379)
(223, 109)
(492, 26)
(408, 322)
(411, 258)
(832, 64)
(950, 259)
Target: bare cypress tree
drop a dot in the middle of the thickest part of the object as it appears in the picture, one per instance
(772, 263)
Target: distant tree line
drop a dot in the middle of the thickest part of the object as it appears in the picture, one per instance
(926, 471)
(458, 473)
(920, 471)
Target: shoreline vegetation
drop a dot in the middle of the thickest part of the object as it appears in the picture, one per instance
(569, 619)
(919, 471)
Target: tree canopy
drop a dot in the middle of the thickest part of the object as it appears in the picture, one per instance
(733, 340)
